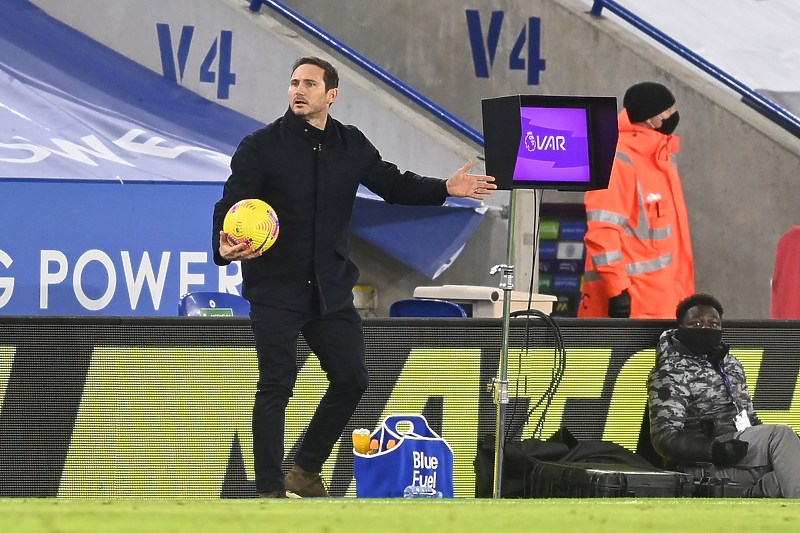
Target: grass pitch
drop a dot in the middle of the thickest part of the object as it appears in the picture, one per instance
(360, 516)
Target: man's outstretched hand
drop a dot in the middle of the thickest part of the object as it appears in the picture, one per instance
(466, 185)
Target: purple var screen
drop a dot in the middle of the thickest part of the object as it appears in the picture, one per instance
(554, 145)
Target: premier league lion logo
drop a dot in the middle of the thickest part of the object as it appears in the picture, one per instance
(530, 142)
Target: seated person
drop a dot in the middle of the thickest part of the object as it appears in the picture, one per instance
(701, 410)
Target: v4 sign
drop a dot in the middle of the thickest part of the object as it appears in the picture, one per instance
(484, 51)
(222, 45)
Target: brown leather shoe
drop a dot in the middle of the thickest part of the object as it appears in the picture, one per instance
(273, 494)
(305, 484)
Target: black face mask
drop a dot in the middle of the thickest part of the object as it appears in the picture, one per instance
(701, 341)
(669, 124)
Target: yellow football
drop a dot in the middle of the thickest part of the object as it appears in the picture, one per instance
(251, 221)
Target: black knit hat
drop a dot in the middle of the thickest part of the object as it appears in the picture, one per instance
(646, 100)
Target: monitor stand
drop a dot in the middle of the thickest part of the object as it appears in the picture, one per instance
(499, 385)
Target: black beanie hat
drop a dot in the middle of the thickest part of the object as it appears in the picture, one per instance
(646, 100)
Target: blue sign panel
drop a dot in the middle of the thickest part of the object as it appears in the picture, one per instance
(83, 248)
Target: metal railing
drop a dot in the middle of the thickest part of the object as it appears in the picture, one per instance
(767, 107)
(380, 73)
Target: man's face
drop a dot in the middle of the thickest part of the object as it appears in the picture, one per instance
(702, 316)
(307, 95)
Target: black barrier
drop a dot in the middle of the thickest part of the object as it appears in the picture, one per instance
(160, 407)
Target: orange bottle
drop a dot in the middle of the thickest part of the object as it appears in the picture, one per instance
(374, 447)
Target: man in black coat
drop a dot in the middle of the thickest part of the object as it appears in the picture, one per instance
(308, 167)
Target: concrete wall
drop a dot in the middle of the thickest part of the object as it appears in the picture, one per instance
(739, 171)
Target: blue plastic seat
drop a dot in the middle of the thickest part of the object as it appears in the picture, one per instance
(209, 303)
(426, 307)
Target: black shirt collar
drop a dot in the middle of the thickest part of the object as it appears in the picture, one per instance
(326, 136)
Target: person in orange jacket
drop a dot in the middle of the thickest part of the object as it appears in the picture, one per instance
(639, 254)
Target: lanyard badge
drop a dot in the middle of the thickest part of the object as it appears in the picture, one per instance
(742, 421)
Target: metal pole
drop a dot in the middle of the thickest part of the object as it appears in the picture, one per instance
(499, 385)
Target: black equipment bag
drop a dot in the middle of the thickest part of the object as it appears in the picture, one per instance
(605, 480)
(519, 457)
(564, 467)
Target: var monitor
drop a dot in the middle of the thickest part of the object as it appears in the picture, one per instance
(550, 142)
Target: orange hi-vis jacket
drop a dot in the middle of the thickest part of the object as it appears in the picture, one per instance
(638, 230)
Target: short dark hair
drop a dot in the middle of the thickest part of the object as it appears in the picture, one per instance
(700, 298)
(330, 76)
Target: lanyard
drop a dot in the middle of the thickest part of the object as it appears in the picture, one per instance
(728, 386)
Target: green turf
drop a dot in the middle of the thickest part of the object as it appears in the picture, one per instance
(428, 516)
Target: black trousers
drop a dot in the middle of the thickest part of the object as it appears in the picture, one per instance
(337, 340)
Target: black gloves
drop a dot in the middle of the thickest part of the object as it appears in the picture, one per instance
(620, 306)
(728, 452)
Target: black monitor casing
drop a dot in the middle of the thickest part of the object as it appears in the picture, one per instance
(502, 130)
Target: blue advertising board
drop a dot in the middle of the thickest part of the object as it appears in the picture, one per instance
(71, 247)
(82, 248)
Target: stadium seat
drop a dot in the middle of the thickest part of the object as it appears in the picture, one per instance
(426, 307)
(785, 301)
(208, 303)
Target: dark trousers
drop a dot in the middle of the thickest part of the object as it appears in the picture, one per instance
(337, 340)
(771, 468)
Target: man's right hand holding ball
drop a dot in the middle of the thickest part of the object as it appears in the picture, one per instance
(239, 252)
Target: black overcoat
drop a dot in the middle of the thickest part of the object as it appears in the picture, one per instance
(312, 186)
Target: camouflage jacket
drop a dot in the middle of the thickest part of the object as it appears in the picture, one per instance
(689, 403)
